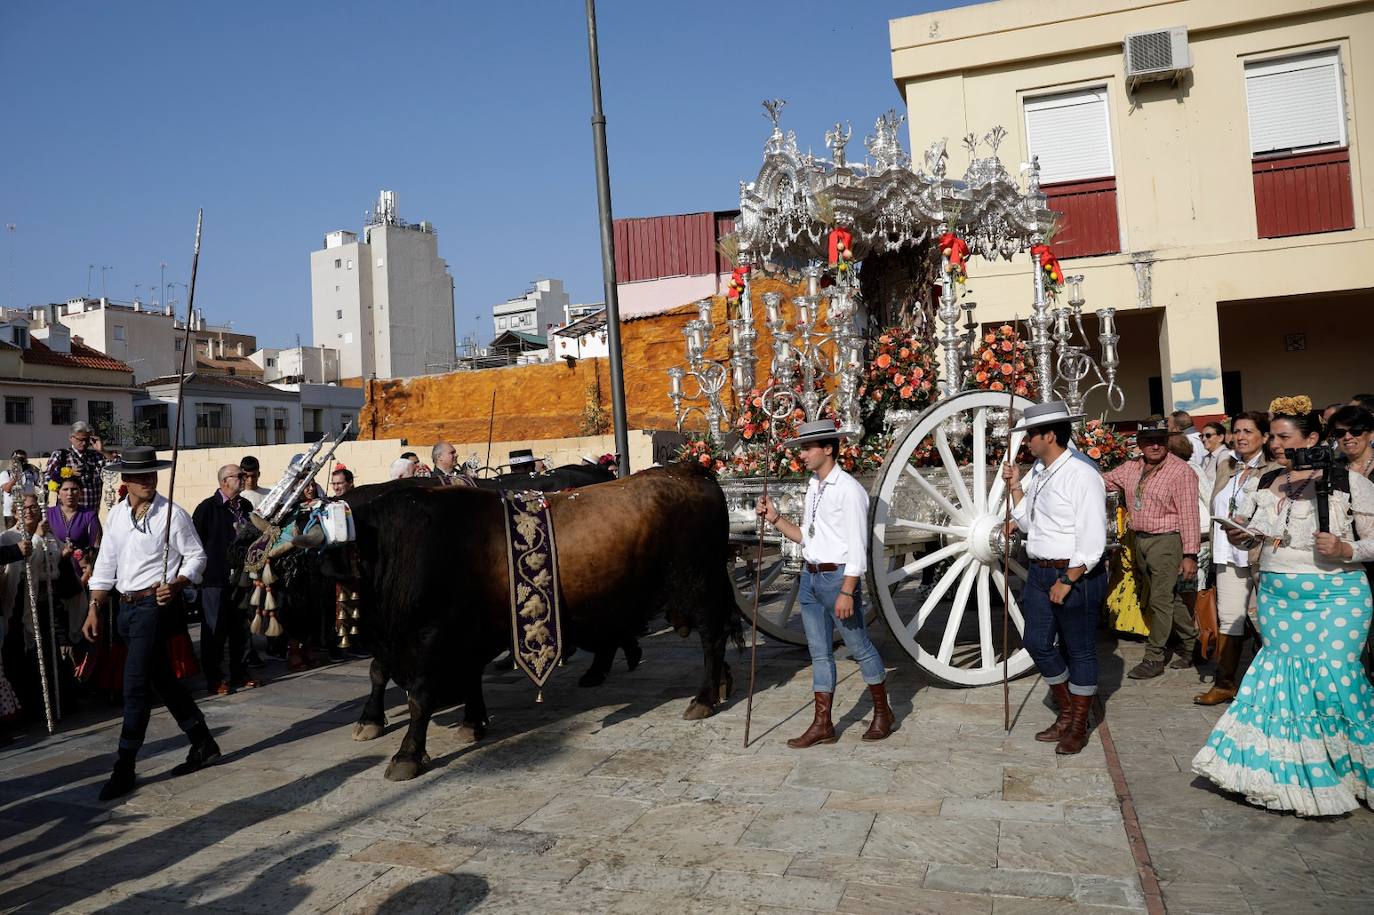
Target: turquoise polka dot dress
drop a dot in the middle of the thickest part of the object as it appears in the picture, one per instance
(1300, 734)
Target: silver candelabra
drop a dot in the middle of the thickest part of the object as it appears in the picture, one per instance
(708, 376)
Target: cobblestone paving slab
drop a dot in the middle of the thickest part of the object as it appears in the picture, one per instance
(604, 800)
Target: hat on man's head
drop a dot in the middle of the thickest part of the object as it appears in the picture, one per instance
(523, 456)
(80, 426)
(137, 459)
(1046, 414)
(818, 430)
(1153, 428)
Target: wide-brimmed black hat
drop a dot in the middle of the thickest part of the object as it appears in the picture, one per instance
(523, 456)
(137, 459)
(1153, 428)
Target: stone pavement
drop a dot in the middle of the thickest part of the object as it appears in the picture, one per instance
(604, 800)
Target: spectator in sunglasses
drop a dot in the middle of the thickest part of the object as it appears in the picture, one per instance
(1214, 449)
(1350, 430)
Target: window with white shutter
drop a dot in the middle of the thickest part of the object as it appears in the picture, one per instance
(1295, 103)
(1069, 132)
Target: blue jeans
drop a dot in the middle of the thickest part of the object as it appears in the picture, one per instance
(1062, 638)
(818, 593)
(148, 670)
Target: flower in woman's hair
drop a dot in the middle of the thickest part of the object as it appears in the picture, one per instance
(1298, 405)
(52, 486)
(67, 473)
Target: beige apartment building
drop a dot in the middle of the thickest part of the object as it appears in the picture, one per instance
(1208, 168)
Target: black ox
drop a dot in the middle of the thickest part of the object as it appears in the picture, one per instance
(432, 576)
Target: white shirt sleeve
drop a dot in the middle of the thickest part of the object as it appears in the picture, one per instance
(855, 530)
(1018, 509)
(187, 544)
(107, 560)
(1090, 522)
(1362, 505)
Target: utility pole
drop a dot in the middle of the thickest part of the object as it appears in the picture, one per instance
(603, 197)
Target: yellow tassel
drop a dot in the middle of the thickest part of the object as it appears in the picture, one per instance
(247, 602)
(268, 576)
(256, 627)
(255, 600)
(271, 602)
(273, 627)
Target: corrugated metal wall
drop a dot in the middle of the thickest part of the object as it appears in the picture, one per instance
(1304, 193)
(654, 247)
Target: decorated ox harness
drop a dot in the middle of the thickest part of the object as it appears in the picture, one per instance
(535, 609)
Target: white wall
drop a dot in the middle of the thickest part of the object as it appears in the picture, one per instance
(42, 435)
(335, 290)
(149, 346)
(652, 296)
(413, 294)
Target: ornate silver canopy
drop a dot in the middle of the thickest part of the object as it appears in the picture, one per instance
(787, 211)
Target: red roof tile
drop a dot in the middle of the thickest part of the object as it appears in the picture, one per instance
(81, 356)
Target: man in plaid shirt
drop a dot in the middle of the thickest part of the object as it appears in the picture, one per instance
(1160, 494)
(84, 463)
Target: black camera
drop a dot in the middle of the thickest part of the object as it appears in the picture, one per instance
(1318, 457)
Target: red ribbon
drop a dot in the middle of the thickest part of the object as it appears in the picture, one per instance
(1048, 262)
(958, 252)
(736, 284)
(841, 240)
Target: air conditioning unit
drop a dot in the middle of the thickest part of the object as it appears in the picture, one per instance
(1158, 55)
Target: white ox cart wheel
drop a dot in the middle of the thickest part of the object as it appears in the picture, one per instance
(955, 507)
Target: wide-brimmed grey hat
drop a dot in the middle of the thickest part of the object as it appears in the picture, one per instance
(818, 430)
(1046, 414)
(137, 459)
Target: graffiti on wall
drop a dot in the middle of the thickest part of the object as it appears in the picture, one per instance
(1194, 379)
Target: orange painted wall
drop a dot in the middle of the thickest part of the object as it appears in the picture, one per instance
(547, 400)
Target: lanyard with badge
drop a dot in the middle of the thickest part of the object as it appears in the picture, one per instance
(815, 506)
(1140, 485)
(1040, 485)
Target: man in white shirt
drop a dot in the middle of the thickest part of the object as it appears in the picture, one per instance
(1181, 421)
(18, 478)
(1061, 509)
(834, 536)
(131, 560)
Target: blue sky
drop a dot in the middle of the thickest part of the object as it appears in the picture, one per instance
(283, 120)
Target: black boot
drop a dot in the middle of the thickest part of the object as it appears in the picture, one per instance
(122, 778)
(204, 751)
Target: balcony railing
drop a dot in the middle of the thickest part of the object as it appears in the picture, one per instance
(157, 438)
(1087, 217)
(1303, 193)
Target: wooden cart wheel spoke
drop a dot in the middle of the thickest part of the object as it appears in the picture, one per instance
(956, 613)
(901, 573)
(956, 474)
(936, 496)
(933, 599)
(980, 461)
(1013, 607)
(998, 485)
(938, 530)
(987, 656)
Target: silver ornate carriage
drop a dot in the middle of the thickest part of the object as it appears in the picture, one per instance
(935, 541)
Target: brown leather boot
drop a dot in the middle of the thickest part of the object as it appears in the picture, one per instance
(882, 713)
(1060, 693)
(821, 730)
(1075, 736)
(1223, 688)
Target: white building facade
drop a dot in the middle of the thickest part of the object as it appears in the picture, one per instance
(307, 364)
(220, 410)
(385, 302)
(543, 307)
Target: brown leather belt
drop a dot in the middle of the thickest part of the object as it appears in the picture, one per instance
(814, 567)
(137, 596)
(1051, 563)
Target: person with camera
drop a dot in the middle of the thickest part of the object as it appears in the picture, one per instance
(1298, 733)
(1160, 493)
(1236, 579)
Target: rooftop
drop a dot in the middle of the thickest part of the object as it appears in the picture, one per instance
(230, 384)
(81, 356)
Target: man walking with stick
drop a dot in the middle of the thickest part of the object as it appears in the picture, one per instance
(834, 535)
(131, 560)
(1060, 507)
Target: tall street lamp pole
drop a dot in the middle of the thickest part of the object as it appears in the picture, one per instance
(603, 197)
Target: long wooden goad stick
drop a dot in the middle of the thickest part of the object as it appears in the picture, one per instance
(758, 587)
(32, 595)
(181, 394)
(1006, 566)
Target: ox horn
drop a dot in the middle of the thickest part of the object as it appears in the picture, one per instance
(261, 525)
